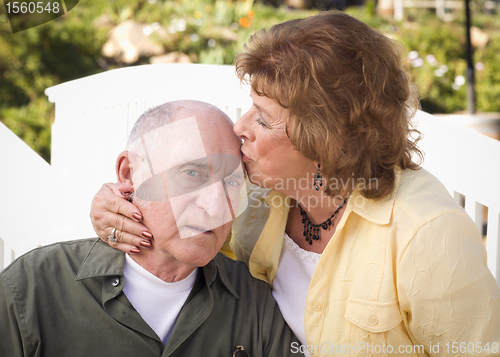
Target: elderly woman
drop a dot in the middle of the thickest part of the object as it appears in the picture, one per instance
(366, 252)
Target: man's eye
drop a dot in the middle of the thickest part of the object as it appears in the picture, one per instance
(233, 183)
(192, 173)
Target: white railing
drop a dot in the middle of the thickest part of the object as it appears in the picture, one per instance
(46, 203)
(442, 7)
(29, 203)
(468, 164)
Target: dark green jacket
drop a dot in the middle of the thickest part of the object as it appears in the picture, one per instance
(66, 299)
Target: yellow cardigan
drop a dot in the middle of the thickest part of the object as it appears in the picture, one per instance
(405, 275)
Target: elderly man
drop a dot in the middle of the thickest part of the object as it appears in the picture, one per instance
(179, 298)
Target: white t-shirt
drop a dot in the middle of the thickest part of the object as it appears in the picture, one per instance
(158, 302)
(295, 270)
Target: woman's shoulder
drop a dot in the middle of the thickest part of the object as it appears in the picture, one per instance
(423, 197)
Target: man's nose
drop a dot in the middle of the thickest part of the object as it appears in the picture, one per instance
(213, 200)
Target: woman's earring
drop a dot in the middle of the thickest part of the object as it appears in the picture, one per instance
(318, 180)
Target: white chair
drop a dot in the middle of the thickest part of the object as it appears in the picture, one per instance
(47, 203)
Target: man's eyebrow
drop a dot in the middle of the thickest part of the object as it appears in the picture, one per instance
(202, 162)
(237, 174)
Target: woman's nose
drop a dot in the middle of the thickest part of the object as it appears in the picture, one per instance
(242, 127)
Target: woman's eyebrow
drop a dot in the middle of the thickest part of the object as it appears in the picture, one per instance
(259, 108)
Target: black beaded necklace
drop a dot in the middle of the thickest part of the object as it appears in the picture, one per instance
(311, 230)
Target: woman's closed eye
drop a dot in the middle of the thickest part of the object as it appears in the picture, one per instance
(261, 122)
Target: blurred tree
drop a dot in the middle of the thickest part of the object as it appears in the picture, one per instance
(35, 59)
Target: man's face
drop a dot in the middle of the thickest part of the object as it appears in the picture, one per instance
(189, 185)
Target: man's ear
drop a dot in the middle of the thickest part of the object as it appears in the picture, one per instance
(124, 168)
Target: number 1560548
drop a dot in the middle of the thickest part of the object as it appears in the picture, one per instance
(32, 7)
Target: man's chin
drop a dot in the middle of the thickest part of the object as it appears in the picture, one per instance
(192, 231)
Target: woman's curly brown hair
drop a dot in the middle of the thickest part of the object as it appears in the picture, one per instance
(349, 96)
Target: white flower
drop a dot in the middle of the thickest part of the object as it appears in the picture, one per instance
(147, 30)
(177, 25)
(431, 60)
(194, 37)
(211, 43)
(418, 62)
(479, 66)
(443, 68)
(459, 80)
(438, 72)
(413, 55)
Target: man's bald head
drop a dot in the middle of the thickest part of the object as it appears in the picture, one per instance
(205, 113)
(183, 160)
(187, 154)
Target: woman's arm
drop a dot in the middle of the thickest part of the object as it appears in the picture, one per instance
(447, 290)
(111, 209)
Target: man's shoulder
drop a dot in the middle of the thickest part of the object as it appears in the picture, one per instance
(238, 276)
(54, 256)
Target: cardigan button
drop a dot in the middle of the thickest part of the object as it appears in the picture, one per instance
(316, 306)
(115, 282)
(373, 320)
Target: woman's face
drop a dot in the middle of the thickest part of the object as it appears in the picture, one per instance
(269, 156)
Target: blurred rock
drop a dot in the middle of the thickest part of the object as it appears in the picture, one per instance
(385, 8)
(228, 35)
(103, 21)
(130, 40)
(478, 37)
(172, 57)
(296, 4)
(411, 25)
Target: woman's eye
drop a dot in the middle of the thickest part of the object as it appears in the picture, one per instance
(260, 122)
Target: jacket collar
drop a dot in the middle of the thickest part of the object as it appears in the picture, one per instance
(378, 211)
(216, 269)
(102, 260)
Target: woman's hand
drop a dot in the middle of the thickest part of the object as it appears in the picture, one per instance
(111, 209)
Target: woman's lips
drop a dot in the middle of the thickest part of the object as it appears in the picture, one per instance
(244, 157)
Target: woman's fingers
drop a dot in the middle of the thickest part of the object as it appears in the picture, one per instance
(127, 242)
(110, 211)
(116, 201)
(124, 247)
(122, 236)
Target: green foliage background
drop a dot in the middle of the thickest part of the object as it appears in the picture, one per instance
(70, 48)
